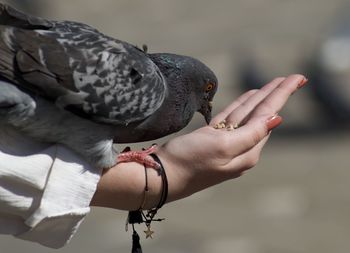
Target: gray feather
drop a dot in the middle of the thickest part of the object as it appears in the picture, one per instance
(82, 70)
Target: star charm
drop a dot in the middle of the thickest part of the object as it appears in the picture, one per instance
(149, 232)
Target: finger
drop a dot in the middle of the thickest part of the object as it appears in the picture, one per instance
(241, 99)
(245, 108)
(242, 139)
(274, 102)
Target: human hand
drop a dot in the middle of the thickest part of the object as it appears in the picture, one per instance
(209, 156)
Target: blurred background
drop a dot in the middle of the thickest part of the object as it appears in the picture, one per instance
(296, 200)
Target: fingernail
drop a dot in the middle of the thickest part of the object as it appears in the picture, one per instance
(302, 82)
(273, 122)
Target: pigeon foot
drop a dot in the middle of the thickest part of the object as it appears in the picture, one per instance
(141, 157)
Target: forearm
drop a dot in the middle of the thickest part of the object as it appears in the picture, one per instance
(123, 187)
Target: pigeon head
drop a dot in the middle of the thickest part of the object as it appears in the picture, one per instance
(190, 80)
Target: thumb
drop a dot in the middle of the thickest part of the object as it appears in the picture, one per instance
(256, 129)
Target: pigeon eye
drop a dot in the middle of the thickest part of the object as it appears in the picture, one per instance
(209, 87)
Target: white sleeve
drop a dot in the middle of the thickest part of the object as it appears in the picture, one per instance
(44, 197)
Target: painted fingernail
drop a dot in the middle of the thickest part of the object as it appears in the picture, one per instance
(302, 83)
(273, 122)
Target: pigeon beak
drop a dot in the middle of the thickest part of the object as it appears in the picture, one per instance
(206, 111)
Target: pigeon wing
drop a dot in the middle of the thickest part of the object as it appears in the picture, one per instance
(82, 71)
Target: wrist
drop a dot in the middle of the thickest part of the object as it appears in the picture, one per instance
(188, 174)
(181, 176)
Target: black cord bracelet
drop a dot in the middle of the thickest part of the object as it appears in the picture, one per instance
(164, 194)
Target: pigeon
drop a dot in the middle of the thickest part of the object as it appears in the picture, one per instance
(65, 82)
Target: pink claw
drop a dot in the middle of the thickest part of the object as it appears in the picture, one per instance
(141, 157)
